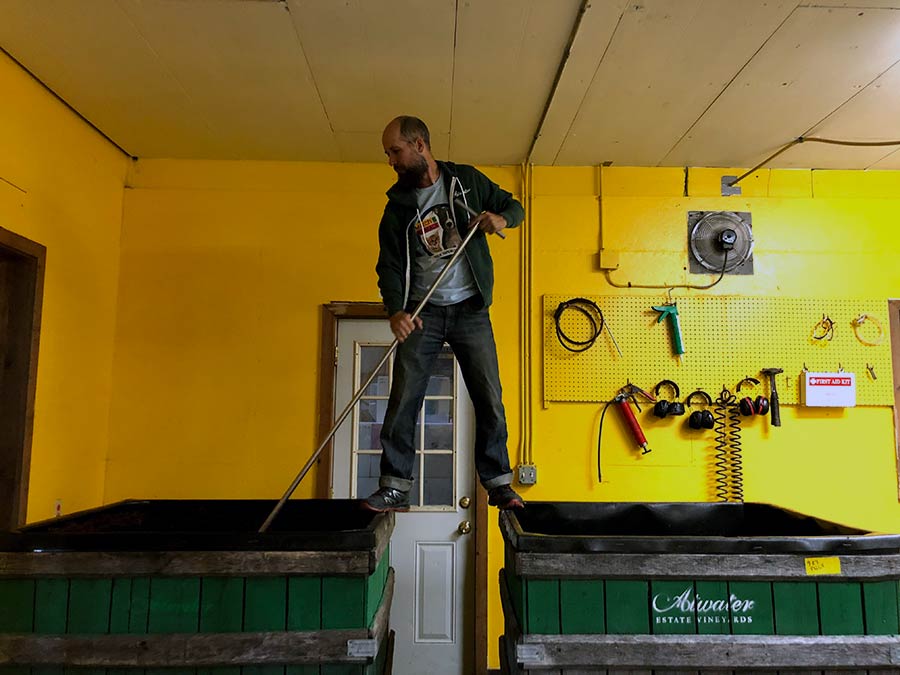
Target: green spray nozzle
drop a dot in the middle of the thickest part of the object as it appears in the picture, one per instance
(670, 312)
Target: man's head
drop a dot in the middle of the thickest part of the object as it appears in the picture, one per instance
(407, 145)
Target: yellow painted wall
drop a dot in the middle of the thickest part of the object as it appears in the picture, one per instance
(61, 186)
(818, 235)
(225, 267)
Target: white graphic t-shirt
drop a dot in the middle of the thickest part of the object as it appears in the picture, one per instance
(437, 239)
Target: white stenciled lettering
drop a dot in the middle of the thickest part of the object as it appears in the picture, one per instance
(687, 602)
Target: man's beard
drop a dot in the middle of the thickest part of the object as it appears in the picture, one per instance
(411, 176)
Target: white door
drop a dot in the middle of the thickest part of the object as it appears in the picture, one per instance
(433, 560)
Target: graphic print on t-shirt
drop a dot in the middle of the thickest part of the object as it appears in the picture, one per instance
(437, 232)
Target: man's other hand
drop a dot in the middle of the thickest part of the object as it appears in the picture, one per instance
(489, 223)
(402, 325)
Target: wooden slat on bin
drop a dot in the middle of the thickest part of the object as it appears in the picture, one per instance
(796, 608)
(51, 608)
(711, 652)
(120, 605)
(542, 606)
(174, 608)
(89, 605)
(302, 670)
(265, 609)
(840, 608)
(581, 606)
(51, 602)
(342, 669)
(627, 607)
(751, 608)
(304, 603)
(343, 602)
(139, 617)
(514, 584)
(221, 611)
(174, 605)
(714, 620)
(221, 604)
(17, 599)
(881, 610)
(375, 588)
(712, 566)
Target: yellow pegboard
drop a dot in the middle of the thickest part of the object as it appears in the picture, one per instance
(725, 338)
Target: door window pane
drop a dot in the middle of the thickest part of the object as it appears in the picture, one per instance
(414, 491)
(369, 356)
(438, 425)
(438, 481)
(371, 416)
(367, 473)
(441, 382)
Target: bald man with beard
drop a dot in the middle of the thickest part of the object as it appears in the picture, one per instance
(419, 232)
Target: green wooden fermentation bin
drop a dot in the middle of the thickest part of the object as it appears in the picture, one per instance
(694, 586)
(190, 587)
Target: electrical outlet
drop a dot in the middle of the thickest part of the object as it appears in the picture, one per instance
(527, 474)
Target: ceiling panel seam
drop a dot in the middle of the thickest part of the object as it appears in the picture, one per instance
(727, 85)
(312, 74)
(68, 106)
(852, 7)
(882, 158)
(162, 63)
(809, 131)
(562, 65)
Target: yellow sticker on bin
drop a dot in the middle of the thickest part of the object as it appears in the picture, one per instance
(830, 565)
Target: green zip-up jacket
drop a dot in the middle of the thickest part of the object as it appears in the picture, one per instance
(396, 233)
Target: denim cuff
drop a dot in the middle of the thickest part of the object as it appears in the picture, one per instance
(403, 484)
(505, 479)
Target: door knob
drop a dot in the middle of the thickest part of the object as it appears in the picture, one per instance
(465, 502)
(464, 527)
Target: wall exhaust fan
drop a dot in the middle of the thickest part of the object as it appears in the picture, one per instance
(720, 238)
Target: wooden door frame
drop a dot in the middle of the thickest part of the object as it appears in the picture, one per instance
(331, 314)
(37, 253)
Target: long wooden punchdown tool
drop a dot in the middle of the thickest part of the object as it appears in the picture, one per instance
(375, 371)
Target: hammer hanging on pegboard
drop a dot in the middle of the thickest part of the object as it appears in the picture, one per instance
(774, 408)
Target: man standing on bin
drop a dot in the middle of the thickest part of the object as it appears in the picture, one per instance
(419, 232)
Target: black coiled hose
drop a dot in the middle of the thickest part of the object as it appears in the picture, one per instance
(594, 316)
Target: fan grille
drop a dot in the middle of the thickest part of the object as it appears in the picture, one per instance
(707, 253)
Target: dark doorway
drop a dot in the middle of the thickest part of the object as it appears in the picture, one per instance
(21, 291)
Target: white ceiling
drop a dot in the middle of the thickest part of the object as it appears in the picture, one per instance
(646, 82)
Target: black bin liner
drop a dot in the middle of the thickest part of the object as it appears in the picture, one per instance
(683, 527)
(197, 525)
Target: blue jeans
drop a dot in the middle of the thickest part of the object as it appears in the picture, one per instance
(466, 327)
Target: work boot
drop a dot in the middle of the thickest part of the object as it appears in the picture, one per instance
(387, 499)
(504, 497)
